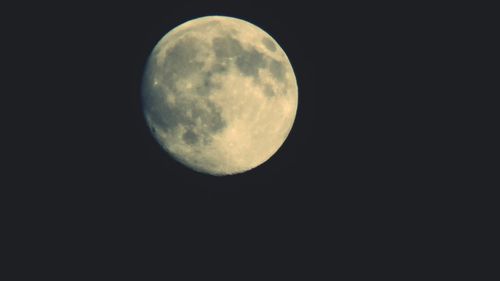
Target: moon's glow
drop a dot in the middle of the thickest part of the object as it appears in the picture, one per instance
(219, 94)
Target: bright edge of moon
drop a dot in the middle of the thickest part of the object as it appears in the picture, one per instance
(219, 95)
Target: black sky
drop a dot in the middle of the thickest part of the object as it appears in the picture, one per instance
(355, 172)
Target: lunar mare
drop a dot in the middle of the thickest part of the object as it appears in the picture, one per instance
(219, 95)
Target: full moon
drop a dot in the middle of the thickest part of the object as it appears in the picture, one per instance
(219, 95)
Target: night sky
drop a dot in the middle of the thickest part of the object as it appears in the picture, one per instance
(354, 174)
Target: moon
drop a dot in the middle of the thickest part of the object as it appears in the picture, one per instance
(219, 95)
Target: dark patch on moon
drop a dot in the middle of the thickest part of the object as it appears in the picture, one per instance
(190, 137)
(268, 91)
(206, 86)
(180, 60)
(154, 106)
(269, 44)
(226, 47)
(219, 67)
(277, 69)
(211, 123)
(169, 117)
(249, 62)
(181, 65)
(211, 118)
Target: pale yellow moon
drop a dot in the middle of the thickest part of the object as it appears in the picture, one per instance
(219, 95)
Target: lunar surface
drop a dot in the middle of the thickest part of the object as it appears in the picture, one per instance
(219, 95)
